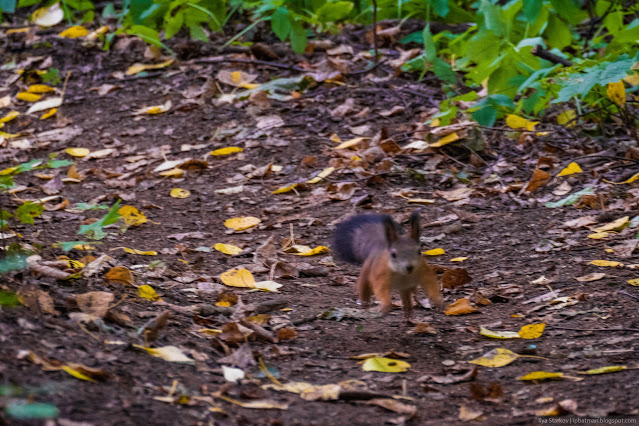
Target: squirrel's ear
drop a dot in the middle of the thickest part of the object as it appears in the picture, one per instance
(390, 231)
(414, 225)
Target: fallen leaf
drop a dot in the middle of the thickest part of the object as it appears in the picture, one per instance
(227, 249)
(468, 414)
(591, 277)
(498, 334)
(610, 263)
(460, 307)
(180, 193)
(120, 274)
(434, 252)
(136, 68)
(604, 370)
(242, 223)
(28, 97)
(532, 331)
(132, 216)
(226, 151)
(350, 143)
(168, 353)
(616, 92)
(74, 32)
(385, 365)
(321, 175)
(267, 285)
(140, 252)
(497, 357)
(445, 140)
(307, 251)
(95, 303)
(147, 292)
(77, 152)
(538, 179)
(542, 375)
(154, 109)
(238, 278)
(515, 122)
(616, 225)
(458, 259)
(48, 16)
(571, 169)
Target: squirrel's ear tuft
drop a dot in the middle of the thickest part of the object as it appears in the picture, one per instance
(390, 231)
(414, 225)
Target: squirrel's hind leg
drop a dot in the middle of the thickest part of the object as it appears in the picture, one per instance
(364, 290)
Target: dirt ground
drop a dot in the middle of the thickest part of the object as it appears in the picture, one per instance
(510, 238)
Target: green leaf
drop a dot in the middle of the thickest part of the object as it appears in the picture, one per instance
(532, 9)
(87, 206)
(429, 44)
(557, 32)
(298, 37)
(571, 199)
(30, 411)
(197, 33)
(485, 116)
(173, 24)
(137, 8)
(13, 262)
(280, 23)
(6, 183)
(567, 10)
(440, 7)
(28, 211)
(334, 11)
(8, 298)
(94, 231)
(8, 6)
(580, 84)
(52, 76)
(614, 22)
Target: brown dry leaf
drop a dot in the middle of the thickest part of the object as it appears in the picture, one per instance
(38, 300)
(591, 277)
(460, 307)
(95, 303)
(451, 378)
(394, 405)
(468, 414)
(424, 328)
(625, 248)
(286, 333)
(233, 334)
(493, 393)
(237, 79)
(120, 274)
(455, 277)
(538, 179)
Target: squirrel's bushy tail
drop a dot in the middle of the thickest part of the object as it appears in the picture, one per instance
(355, 239)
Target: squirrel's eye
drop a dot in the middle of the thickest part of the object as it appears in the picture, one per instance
(393, 254)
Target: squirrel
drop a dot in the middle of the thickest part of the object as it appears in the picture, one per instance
(390, 259)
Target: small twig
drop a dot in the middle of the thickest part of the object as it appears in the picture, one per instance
(625, 293)
(555, 59)
(375, 29)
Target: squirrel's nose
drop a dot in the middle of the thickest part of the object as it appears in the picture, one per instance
(409, 268)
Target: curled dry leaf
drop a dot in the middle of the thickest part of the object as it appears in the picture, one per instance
(121, 275)
(95, 303)
(460, 307)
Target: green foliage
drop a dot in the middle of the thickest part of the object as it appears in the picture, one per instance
(8, 298)
(29, 211)
(51, 77)
(4, 217)
(22, 410)
(68, 245)
(94, 231)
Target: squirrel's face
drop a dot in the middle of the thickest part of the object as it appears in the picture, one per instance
(405, 255)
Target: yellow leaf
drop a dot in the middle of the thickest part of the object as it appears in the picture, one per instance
(497, 357)
(48, 16)
(350, 143)
(40, 88)
(498, 334)
(226, 151)
(599, 235)
(385, 365)
(227, 249)
(307, 251)
(28, 97)
(617, 92)
(458, 259)
(74, 32)
(610, 263)
(285, 189)
(460, 307)
(8, 135)
(132, 216)
(267, 286)
(542, 375)
(445, 140)
(134, 69)
(567, 117)
(532, 331)
(603, 370)
(242, 223)
(147, 292)
(631, 179)
(155, 109)
(10, 116)
(634, 282)
(571, 169)
(173, 173)
(140, 252)
(168, 353)
(335, 138)
(515, 122)
(434, 252)
(223, 304)
(210, 331)
(77, 152)
(93, 35)
(238, 278)
(180, 193)
(321, 175)
(74, 264)
(420, 201)
(78, 375)
(84, 247)
(49, 113)
(616, 225)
